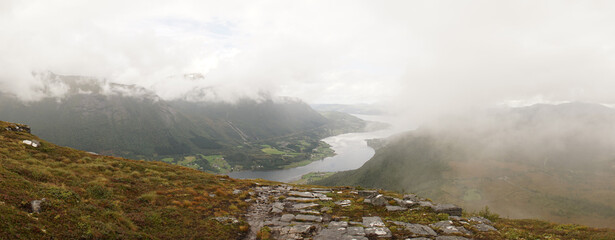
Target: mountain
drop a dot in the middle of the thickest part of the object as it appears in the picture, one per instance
(53, 192)
(131, 121)
(552, 162)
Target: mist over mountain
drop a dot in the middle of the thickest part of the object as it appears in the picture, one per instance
(128, 120)
(546, 161)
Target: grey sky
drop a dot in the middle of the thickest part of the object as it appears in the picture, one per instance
(421, 56)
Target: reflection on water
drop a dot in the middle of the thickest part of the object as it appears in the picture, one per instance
(351, 152)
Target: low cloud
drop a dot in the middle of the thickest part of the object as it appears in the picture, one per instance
(420, 58)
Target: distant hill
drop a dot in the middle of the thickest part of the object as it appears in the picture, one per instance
(553, 162)
(130, 121)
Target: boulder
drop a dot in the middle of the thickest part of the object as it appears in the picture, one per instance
(449, 209)
(368, 193)
(372, 222)
(36, 205)
(417, 229)
(380, 232)
(379, 200)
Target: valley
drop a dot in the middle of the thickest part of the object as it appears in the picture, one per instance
(51, 192)
(513, 161)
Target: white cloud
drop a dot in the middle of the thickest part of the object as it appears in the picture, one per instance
(424, 57)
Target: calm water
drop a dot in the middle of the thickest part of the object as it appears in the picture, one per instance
(351, 152)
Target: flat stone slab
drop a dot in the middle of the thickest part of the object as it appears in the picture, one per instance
(302, 229)
(308, 218)
(301, 199)
(287, 217)
(395, 208)
(378, 232)
(355, 231)
(300, 206)
(338, 224)
(372, 222)
(301, 194)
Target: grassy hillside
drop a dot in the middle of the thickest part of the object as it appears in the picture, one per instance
(553, 162)
(100, 197)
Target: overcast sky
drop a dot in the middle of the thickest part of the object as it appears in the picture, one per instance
(423, 55)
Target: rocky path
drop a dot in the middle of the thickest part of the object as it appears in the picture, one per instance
(285, 212)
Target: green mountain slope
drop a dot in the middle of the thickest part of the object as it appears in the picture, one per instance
(130, 121)
(552, 162)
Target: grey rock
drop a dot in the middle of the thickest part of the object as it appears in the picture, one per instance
(338, 224)
(379, 200)
(455, 218)
(325, 209)
(378, 232)
(449, 209)
(411, 197)
(367, 200)
(447, 227)
(277, 207)
(372, 222)
(344, 203)
(368, 193)
(36, 205)
(300, 206)
(308, 218)
(417, 229)
(395, 208)
(301, 199)
(301, 194)
(330, 234)
(287, 217)
(355, 231)
(237, 191)
(301, 229)
(425, 204)
(480, 220)
(420, 238)
(481, 227)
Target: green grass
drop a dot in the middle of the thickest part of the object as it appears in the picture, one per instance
(218, 162)
(269, 150)
(100, 197)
